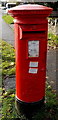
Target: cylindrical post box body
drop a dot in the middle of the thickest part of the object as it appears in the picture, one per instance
(31, 27)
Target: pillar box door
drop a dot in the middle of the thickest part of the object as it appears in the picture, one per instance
(31, 26)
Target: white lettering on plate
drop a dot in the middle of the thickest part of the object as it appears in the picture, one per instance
(33, 64)
(33, 70)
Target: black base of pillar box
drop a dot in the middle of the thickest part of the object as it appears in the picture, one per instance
(28, 109)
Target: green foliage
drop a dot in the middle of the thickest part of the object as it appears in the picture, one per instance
(8, 19)
(52, 39)
(8, 59)
(8, 105)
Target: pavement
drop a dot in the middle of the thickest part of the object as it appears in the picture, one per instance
(51, 67)
(7, 33)
(8, 36)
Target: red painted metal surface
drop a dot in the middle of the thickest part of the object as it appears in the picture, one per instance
(30, 25)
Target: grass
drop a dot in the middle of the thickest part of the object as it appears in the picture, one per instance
(8, 19)
(8, 60)
(8, 109)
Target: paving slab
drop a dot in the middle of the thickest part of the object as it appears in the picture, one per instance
(7, 33)
(9, 83)
(51, 67)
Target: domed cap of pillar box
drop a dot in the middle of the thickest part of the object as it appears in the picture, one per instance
(29, 11)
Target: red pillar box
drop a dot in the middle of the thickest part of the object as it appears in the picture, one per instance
(31, 26)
